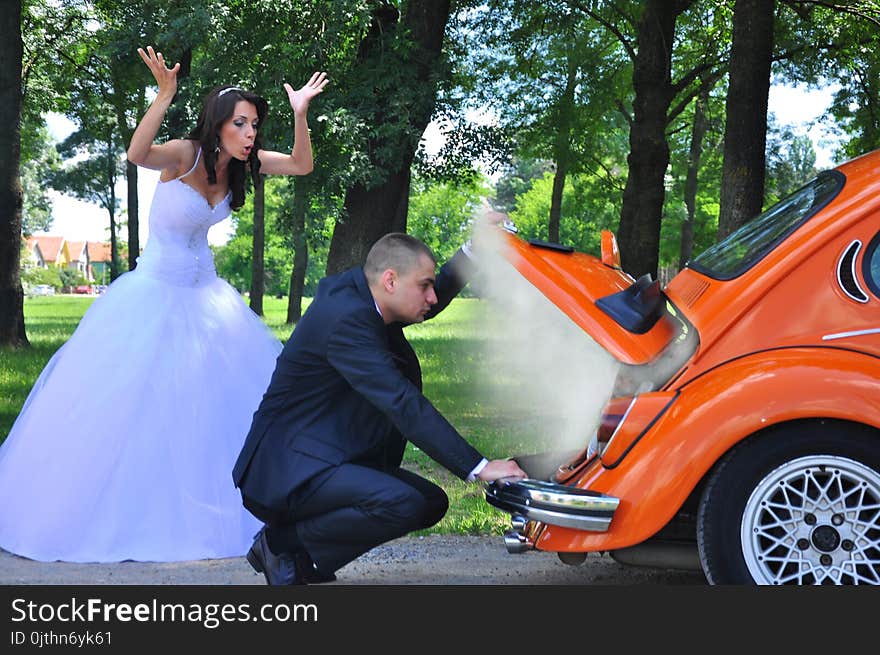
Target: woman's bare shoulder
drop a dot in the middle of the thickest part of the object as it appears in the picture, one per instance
(181, 156)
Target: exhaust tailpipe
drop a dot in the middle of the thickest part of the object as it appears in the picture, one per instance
(515, 539)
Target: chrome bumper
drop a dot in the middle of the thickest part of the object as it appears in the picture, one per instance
(551, 503)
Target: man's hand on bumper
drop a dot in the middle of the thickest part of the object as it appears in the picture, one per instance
(501, 468)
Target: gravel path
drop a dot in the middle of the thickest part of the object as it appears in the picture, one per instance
(429, 560)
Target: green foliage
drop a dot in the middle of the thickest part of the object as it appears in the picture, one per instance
(856, 106)
(261, 45)
(516, 179)
(440, 213)
(705, 225)
(234, 263)
(34, 275)
(552, 78)
(836, 43)
(39, 162)
(50, 32)
(115, 71)
(791, 162)
(234, 259)
(71, 277)
(509, 59)
(95, 153)
(587, 209)
(708, 191)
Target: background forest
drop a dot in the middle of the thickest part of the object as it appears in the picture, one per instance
(648, 118)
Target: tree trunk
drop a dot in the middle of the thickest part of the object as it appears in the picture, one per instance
(300, 249)
(258, 271)
(12, 332)
(131, 170)
(556, 203)
(114, 244)
(369, 215)
(111, 209)
(639, 230)
(134, 248)
(745, 131)
(698, 133)
(176, 118)
(562, 150)
(371, 212)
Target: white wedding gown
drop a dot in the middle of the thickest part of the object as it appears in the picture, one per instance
(125, 446)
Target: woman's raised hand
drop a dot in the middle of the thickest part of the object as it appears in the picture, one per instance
(166, 78)
(299, 100)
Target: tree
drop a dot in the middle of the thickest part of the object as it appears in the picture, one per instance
(650, 78)
(857, 107)
(93, 176)
(12, 332)
(299, 209)
(516, 178)
(260, 45)
(399, 63)
(808, 41)
(39, 161)
(742, 178)
(90, 46)
(440, 213)
(233, 259)
(791, 162)
(27, 31)
(34, 275)
(587, 209)
(696, 171)
(106, 63)
(258, 281)
(643, 196)
(549, 76)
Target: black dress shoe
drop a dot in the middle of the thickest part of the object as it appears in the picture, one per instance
(308, 572)
(278, 569)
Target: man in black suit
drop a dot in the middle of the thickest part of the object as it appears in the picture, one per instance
(321, 463)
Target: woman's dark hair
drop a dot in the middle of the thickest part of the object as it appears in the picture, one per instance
(216, 110)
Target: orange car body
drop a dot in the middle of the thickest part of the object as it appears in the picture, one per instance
(793, 337)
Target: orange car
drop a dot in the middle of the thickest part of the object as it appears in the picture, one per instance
(743, 434)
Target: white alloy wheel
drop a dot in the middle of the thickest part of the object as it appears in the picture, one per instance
(814, 520)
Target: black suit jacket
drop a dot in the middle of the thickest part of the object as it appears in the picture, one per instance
(346, 388)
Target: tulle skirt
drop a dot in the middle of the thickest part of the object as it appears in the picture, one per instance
(125, 446)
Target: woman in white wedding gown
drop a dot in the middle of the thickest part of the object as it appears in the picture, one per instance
(125, 446)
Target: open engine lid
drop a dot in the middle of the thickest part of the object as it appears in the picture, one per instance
(627, 317)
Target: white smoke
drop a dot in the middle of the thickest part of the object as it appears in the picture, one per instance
(540, 364)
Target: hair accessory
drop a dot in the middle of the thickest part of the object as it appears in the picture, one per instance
(227, 90)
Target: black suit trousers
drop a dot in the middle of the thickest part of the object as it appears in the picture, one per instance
(350, 509)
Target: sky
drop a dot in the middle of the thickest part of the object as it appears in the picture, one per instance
(797, 107)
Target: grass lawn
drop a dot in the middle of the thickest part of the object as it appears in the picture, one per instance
(449, 348)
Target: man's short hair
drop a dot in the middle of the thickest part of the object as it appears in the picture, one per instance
(397, 251)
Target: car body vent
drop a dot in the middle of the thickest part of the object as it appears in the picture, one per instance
(846, 273)
(693, 292)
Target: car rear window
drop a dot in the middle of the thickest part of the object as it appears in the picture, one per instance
(871, 269)
(749, 244)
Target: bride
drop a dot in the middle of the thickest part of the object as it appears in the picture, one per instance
(124, 447)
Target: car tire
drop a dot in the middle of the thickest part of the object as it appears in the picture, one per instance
(795, 504)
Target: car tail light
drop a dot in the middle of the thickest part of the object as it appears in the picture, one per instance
(613, 415)
(625, 420)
